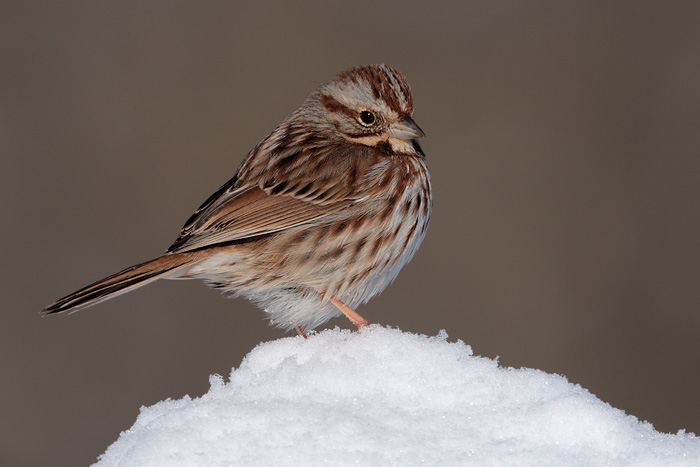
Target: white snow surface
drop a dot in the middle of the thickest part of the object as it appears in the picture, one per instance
(385, 397)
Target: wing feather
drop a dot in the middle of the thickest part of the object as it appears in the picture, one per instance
(276, 188)
(246, 213)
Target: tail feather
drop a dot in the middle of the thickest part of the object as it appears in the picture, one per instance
(121, 282)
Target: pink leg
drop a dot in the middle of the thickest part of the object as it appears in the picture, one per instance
(351, 314)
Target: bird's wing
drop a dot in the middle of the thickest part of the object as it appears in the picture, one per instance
(248, 212)
(280, 188)
(236, 214)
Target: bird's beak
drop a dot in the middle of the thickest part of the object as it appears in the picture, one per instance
(405, 128)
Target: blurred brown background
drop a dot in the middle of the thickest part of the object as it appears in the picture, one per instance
(564, 145)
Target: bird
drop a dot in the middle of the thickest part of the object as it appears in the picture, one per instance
(319, 217)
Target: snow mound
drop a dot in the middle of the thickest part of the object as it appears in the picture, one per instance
(385, 397)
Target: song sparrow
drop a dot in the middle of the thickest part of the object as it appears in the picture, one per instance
(320, 216)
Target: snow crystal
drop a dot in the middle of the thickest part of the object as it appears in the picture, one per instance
(385, 397)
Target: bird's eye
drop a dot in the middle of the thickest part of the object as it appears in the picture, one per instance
(366, 117)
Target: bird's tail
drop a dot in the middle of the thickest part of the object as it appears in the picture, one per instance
(122, 282)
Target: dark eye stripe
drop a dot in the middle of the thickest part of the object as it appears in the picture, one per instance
(384, 82)
(332, 105)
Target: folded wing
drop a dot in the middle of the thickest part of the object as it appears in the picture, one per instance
(249, 212)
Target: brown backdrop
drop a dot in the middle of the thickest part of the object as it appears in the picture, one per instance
(564, 145)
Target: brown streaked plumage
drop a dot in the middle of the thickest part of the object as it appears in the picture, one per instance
(319, 218)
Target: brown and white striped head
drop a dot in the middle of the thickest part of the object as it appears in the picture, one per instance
(372, 105)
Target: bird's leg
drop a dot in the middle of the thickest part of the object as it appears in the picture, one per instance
(351, 314)
(300, 331)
